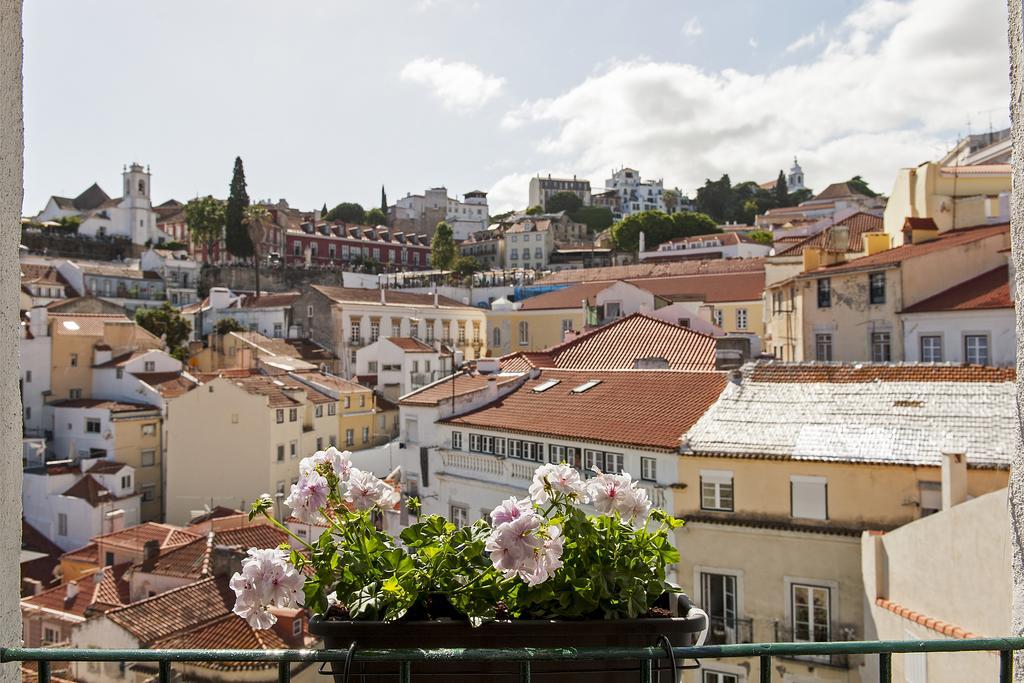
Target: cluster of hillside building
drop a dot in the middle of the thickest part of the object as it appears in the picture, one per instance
(832, 414)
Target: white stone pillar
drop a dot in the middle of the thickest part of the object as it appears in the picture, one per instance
(11, 152)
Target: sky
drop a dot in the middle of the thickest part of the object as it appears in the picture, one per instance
(327, 101)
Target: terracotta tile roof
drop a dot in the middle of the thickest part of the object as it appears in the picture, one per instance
(103, 466)
(651, 270)
(522, 361)
(858, 224)
(309, 350)
(41, 274)
(636, 408)
(275, 347)
(218, 512)
(433, 394)
(98, 591)
(168, 384)
(193, 559)
(357, 295)
(175, 611)
(619, 344)
(277, 300)
(862, 413)
(918, 223)
(226, 632)
(110, 270)
(123, 359)
(85, 324)
(232, 373)
(88, 554)
(135, 537)
(90, 490)
(60, 672)
(411, 344)
(274, 389)
(989, 290)
(838, 191)
(717, 288)
(566, 298)
(102, 404)
(936, 625)
(951, 239)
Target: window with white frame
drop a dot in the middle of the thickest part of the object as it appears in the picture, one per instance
(976, 349)
(648, 468)
(716, 490)
(931, 348)
(459, 516)
(148, 493)
(457, 441)
(524, 333)
(741, 318)
(808, 497)
(719, 317)
(148, 457)
(612, 309)
(92, 425)
(881, 347)
(811, 612)
(319, 410)
(499, 445)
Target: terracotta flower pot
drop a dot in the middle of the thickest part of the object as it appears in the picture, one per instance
(681, 631)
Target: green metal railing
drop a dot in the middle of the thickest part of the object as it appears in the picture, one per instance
(407, 658)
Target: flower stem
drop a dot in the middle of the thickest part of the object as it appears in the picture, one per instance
(288, 531)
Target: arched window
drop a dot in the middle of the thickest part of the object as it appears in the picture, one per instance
(524, 333)
(496, 335)
(142, 187)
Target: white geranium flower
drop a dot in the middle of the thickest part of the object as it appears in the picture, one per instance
(267, 580)
(366, 491)
(340, 461)
(510, 509)
(608, 490)
(634, 504)
(308, 496)
(559, 478)
(514, 542)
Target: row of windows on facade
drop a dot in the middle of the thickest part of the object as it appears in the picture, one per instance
(583, 459)
(332, 440)
(538, 253)
(147, 366)
(428, 366)
(318, 410)
(876, 290)
(538, 237)
(356, 331)
(976, 348)
(414, 257)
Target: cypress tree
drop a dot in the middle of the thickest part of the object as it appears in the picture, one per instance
(383, 200)
(236, 237)
(323, 211)
(781, 190)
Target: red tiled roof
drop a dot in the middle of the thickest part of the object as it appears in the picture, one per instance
(936, 625)
(90, 490)
(358, 295)
(97, 592)
(270, 300)
(310, 351)
(838, 191)
(193, 559)
(228, 632)
(135, 537)
(717, 288)
(217, 512)
(858, 224)
(102, 404)
(274, 389)
(568, 297)
(175, 611)
(433, 394)
(636, 408)
(989, 290)
(41, 274)
(919, 223)
(85, 324)
(411, 344)
(619, 344)
(653, 270)
(167, 384)
(88, 554)
(868, 372)
(892, 257)
(104, 466)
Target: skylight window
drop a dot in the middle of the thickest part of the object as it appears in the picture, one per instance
(544, 386)
(586, 386)
(71, 325)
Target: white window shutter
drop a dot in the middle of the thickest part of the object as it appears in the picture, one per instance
(809, 497)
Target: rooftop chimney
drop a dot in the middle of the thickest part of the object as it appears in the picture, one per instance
(72, 590)
(954, 479)
(150, 551)
(435, 297)
(225, 561)
(38, 321)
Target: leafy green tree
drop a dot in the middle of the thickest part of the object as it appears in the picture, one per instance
(535, 210)
(375, 217)
(798, 197)
(226, 325)
(656, 226)
(347, 212)
(691, 223)
(205, 219)
(236, 237)
(167, 323)
(499, 217)
(672, 197)
(716, 198)
(597, 218)
(564, 201)
(464, 266)
(761, 237)
(781, 190)
(858, 184)
(442, 247)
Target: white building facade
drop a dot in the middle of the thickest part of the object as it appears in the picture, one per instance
(634, 194)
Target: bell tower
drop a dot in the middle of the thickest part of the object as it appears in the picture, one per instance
(136, 205)
(795, 179)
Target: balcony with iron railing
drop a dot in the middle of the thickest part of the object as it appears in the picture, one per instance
(723, 631)
(407, 660)
(786, 633)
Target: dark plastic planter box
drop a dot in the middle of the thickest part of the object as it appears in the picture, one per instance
(371, 635)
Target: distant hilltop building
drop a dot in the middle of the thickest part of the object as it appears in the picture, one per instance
(130, 216)
(794, 179)
(631, 195)
(541, 189)
(420, 213)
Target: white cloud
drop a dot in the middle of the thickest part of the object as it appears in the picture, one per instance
(879, 97)
(807, 39)
(692, 27)
(752, 42)
(460, 86)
